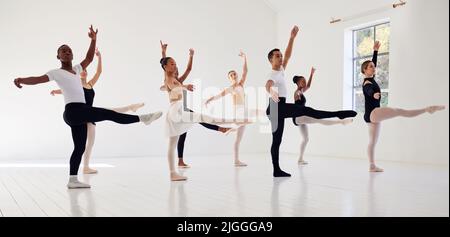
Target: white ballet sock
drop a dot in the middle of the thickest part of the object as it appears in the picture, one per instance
(375, 169)
(74, 183)
(239, 163)
(147, 119)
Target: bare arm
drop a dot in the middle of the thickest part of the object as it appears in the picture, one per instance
(31, 81)
(244, 70)
(94, 79)
(189, 66)
(311, 76)
(290, 47)
(272, 92)
(220, 95)
(91, 51)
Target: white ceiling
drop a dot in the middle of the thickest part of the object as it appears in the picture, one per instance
(280, 5)
(274, 4)
(283, 5)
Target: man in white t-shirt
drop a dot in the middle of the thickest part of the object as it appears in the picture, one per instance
(77, 114)
(276, 87)
(279, 110)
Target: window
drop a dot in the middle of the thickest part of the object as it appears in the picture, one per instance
(363, 41)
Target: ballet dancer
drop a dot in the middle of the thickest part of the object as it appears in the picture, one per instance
(236, 89)
(278, 110)
(179, 120)
(302, 122)
(77, 114)
(89, 94)
(374, 114)
(182, 139)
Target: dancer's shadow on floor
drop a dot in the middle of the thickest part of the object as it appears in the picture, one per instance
(373, 208)
(77, 209)
(178, 202)
(300, 203)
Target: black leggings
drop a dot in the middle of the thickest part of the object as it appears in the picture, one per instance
(77, 115)
(278, 112)
(182, 138)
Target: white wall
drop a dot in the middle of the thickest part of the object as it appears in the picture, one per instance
(31, 124)
(419, 76)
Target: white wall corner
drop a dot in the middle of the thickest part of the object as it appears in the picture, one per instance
(271, 6)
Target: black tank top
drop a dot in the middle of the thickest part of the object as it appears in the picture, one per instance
(301, 101)
(89, 95)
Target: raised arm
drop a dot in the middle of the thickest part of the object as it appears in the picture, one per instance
(163, 49)
(220, 95)
(311, 76)
(56, 92)
(189, 66)
(376, 47)
(290, 47)
(244, 70)
(31, 81)
(95, 78)
(91, 51)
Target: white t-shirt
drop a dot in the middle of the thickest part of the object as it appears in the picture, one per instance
(279, 82)
(69, 83)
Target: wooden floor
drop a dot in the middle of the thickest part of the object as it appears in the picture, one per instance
(141, 187)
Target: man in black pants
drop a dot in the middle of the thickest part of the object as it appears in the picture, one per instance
(77, 113)
(279, 110)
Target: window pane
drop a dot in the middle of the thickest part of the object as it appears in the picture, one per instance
(384, 99)
(358, 77)
(382, 75)
(383, 35)
(363, 50)
(364, 40)
(359, 101)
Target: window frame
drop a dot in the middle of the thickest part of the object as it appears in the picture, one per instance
(356, 89)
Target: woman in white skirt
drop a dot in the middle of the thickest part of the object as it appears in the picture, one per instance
(179, 120)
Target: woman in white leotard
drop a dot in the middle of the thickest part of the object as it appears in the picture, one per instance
(236, 89)
(178, 120)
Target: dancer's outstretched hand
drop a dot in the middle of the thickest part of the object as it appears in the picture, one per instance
(92, 34)
(191, 52)
(377, 96)
(190, 87)
(313, 70)
(294, 31)
(208, 102)
(275, 96)
(17, 82)
(163, 46)
(377, 46)
(242, 54)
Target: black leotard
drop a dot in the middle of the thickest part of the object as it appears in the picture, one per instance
(369, 90)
